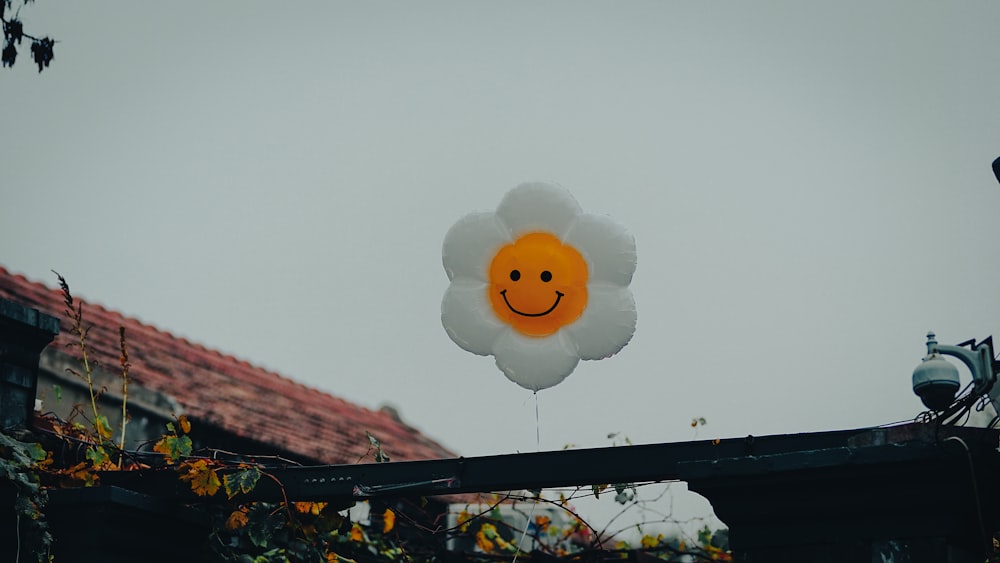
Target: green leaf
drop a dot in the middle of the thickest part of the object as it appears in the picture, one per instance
(36, 452)
(97, 456)
(241, 481)
(174, 447)
(598, 489)
(704, 536)
(260, 532)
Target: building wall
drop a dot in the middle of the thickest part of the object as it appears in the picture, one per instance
(66, 395)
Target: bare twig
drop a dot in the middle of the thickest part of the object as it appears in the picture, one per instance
(571, 512)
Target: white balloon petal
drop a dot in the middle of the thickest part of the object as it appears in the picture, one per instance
(608, 248)
(535, 363)
(470, 245)
(607, 324)
(538, 206)
(468, 318)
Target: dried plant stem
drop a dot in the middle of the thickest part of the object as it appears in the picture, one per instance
(87, 372)
(125, 366)
(74, 311)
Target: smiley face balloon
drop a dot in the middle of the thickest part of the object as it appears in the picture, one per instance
(539, 285)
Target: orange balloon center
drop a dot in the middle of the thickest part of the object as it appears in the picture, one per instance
(538, 284)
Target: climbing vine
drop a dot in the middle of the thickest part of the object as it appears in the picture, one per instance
(78, 452)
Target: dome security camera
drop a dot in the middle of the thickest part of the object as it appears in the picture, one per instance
(936, 381)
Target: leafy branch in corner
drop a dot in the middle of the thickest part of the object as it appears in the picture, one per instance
(19, 464)
(14, 34)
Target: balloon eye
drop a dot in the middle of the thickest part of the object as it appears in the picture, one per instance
(546, 276)
(515, 275)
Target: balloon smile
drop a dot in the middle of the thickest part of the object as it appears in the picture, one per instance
(559, 295)
(532, 268)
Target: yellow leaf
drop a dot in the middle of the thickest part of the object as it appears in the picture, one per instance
(649, 542)
(185, 424)
(388, 520)
(483, 543)
(463, 520)
(162, 447)
(313, 508)
(236, 520)
(356, 533)
(79, 474)
(203, 479)
(103, 427)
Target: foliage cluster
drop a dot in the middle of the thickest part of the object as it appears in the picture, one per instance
(574, 539)
(14, 34)
(19, 466)
(248, 531)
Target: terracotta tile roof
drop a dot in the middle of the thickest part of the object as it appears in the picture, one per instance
(237, 397)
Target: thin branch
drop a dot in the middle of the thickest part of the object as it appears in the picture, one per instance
(458, 526)
(571, 512)
(216, 451)
(25, 35)
(284, 496)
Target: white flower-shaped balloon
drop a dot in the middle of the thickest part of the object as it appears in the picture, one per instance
(539, 285)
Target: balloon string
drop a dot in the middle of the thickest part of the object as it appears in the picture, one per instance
(538, 432)
(538, 448)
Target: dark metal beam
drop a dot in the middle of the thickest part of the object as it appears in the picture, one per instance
(525, 471)
(567, 468)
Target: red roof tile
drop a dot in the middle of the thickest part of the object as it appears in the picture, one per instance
(247, 401)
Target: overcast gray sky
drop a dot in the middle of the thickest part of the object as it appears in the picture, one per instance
(808, 184)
